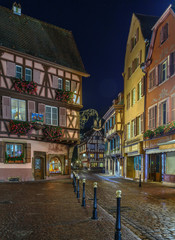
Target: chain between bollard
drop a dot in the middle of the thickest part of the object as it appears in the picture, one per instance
(83, 196)
(94, 214)
(118, 218)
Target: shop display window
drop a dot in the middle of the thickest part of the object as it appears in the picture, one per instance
(55, 165)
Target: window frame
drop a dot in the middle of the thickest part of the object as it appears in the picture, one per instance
(11, 143)
(60, 83)
(28, 75)
(16, 72)
(19, 100)
(52, 107)
(67, 81)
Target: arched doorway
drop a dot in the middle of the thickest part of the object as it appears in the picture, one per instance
(55, 165)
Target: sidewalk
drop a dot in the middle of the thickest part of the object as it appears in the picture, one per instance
(50, 210)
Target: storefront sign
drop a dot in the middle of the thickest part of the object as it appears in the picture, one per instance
(36, 117)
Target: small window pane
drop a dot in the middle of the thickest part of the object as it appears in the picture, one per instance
(28, 74)
(9, 150)
(60, 83)
(17, 150)
(18, 72)
(14, 108)
(22, 110)
(67, 85)
(54, 116)
(48, 115)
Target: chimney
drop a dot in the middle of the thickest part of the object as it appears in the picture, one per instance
(16, 8)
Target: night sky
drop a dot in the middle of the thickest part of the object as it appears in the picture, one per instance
(100, 29)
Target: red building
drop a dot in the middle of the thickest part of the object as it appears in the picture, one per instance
(40, 97)
(159, 144)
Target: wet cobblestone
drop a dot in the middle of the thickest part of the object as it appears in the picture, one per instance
(148, 211)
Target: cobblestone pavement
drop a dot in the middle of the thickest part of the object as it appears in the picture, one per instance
(148, 211)
(50, 210)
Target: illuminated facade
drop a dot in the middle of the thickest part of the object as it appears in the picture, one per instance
(113, 137)
(134, 91)
(41, 95)
(159, 144)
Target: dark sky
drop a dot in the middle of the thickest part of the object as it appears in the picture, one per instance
(100, 29)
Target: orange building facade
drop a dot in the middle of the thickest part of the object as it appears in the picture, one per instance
(159, 143)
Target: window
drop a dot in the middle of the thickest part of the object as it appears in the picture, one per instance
(18, 72)
(172, 63)
(152, 117)
(128, 101)
(152, 78)
(133, 97)
(128, 131)
(139, 125)
(18, 109)
(14, 150)
(91, 155)
(164, 33)
(163, 113)
(162, 71)
(132, 128)
(55, 165)
(28, 74)
(139, 90)
(100, 155)
(173, 108)
(51, 115)
(106, 146)
(135, 64)
(60, 83)
(67, 85)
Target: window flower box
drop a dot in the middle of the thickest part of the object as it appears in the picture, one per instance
(52, 133)
(64, 96)
(19, 127)
(23, 86)
(12, 159)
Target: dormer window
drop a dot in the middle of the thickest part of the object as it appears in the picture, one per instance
(164, 33)
(16, 9)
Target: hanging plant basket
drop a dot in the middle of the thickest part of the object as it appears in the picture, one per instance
(23, 86)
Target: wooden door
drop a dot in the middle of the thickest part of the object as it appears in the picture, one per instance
(39, 167)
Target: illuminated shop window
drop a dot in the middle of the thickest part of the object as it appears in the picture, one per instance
(55, 165)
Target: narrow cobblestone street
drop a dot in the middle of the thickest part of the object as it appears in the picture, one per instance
(50, 210)
(148, 211)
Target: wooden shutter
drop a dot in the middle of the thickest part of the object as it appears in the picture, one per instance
(140, 56)
(28, 152)
(2, 149)
(62, 117)
(142, 122)
(125, 132)
(6, 107)
(160, 73)
(41, 110)
(11, 69)
(142, 86)
(160, 114)
(168, 110)
(135, 126)
(155, 114)
(55, 82)
(149, 118)
(165, 31)
(31, 109)
(161, 35)
(36, 76)
(156, 76)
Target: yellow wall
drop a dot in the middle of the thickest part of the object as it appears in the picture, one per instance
(138, 108)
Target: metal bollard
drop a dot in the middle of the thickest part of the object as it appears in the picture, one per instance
(140, 181)
(94, 216)
(75, 189)
(83, 197)
(73, 179)
(78, 188)
(118, 219)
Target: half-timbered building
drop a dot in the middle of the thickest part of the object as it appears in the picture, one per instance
(113, 137)
(91, 149)
(40, 97)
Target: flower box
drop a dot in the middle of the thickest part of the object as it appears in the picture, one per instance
(19, 127)
(52, 133)
(64, 96)
(23, 86)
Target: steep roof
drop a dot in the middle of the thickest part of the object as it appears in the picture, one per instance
(39, 39)
(146, 22)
